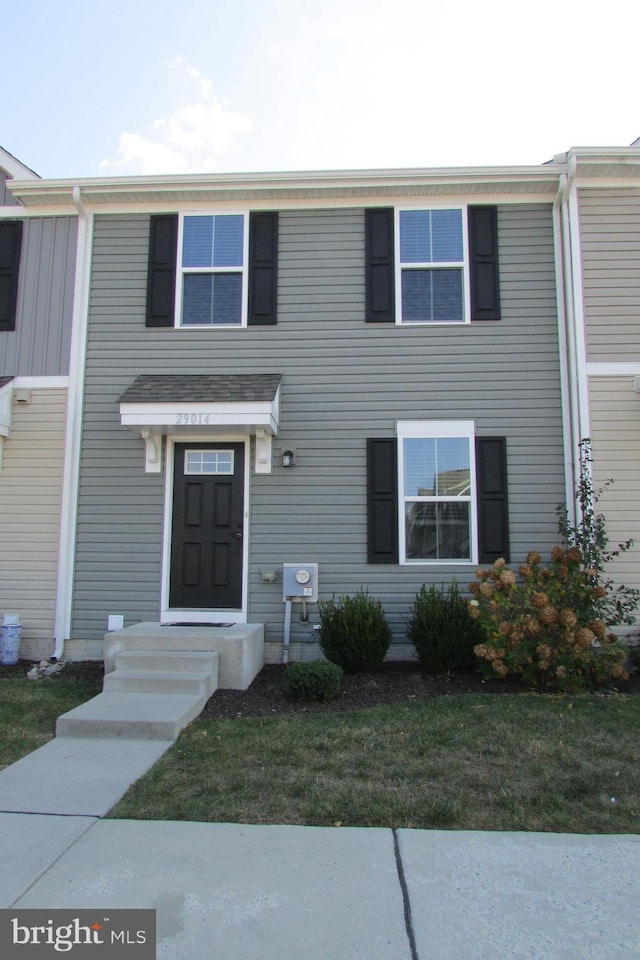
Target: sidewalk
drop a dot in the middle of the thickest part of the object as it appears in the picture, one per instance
(235, 892)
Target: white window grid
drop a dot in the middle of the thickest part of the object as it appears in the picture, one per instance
(428, 265)
(437, 429)
(243, 270)
(208, 462)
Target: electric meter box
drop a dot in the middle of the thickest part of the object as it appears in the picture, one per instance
(300, 581)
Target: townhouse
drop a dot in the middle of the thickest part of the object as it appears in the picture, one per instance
(375, 372)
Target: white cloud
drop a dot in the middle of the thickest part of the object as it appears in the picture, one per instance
(194, 138)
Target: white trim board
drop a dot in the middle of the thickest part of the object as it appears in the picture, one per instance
(613, 369)
(40, 383)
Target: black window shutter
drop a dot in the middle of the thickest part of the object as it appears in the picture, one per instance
(483, 257)
(382, 501)
(10, 244)
(493, 507)
(379, 265)
(161, 278)
(263, 269)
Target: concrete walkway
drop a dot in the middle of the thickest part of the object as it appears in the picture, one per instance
(233, 892)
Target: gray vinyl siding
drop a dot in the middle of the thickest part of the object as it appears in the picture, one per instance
(39, 345)
(610, 238)
(343, 381)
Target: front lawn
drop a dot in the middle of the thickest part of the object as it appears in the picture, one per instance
(464, 762)
(29, 708)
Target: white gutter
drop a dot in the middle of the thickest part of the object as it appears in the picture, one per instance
(564, 339)
(75, 396)
(575, 320)
(184, 188)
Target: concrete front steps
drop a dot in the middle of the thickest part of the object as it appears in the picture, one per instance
(149, 696)
(158, 679)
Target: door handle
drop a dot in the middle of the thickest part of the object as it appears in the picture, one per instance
(238, 536)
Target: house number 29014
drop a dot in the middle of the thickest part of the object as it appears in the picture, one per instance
(191, 419)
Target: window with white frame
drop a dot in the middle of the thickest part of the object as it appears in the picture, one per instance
(213, 255)
(437, 486)
(432, 276)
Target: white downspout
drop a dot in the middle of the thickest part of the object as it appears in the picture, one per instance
(580, 327)
(75, 396)
(576, 340)
(564, 340)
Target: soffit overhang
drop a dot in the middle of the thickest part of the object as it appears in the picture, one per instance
(313, 186)
(602, 165)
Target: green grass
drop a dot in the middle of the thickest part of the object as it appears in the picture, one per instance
(506, 762)
(29, 708)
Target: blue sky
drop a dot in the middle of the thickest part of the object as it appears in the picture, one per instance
(134, 86)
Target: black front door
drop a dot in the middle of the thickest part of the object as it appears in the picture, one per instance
(207, 528)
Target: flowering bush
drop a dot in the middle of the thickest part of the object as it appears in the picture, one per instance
(544, 626)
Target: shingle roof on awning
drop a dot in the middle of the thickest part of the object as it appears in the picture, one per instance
(202, 388)
(206, 405)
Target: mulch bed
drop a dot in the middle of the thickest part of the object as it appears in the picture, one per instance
(397, 682)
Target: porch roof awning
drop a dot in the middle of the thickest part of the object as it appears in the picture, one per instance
(174, 401)
(186, 404)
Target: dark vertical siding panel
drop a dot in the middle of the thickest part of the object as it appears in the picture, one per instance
(40, 343)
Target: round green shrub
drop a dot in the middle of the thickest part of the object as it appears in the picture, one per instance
(441, 629)
(354, 632)
(313, 681)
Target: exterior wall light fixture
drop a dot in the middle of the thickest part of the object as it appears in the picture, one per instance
(287, 458)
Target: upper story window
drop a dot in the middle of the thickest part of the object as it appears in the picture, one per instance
(212, 269)
(432, 276)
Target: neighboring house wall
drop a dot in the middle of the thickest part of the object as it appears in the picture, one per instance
(610, 240)
(343, 381)
(35, 347)
(615, 435)
(39, 345)
(6, 199)
(30, 496)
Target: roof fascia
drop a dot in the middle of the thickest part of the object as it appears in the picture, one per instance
(605, 167)
(309, 185)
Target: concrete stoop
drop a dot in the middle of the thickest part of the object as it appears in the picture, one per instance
(149, 696)
(158, 679)
(239, 645)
